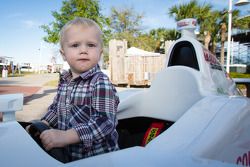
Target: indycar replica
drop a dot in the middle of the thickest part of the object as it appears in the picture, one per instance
(192, 115)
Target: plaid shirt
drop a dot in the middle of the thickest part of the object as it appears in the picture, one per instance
(87, 104)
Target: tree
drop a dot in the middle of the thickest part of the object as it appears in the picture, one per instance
(223, 22)
(183, 11)
(213, 24)
(70, 9)
(244, 23)
(125, 20)
(126, 24)
(223, 39)
(143, 41)
(203, 14)
(207, 20)
(165, 34)
(161, 34)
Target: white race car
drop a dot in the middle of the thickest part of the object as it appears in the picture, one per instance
(192, 115)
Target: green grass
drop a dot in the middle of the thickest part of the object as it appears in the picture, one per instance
(18, 75)
(238, 75)
(53, 83)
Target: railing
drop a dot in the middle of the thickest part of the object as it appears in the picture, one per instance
(9, 104)
(244, 81)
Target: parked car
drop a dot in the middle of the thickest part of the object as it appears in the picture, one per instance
(26, 69)
(65, 67)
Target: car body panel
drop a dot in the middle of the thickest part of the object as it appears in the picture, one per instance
(17, 148)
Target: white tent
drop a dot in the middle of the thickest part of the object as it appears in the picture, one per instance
(133, 51)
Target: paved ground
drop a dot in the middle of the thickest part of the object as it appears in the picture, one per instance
(29, 80)
(37, 97)
(26, 90)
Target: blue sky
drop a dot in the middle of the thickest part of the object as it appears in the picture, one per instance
(21, 37)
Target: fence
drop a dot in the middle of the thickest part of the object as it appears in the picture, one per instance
(133, 70)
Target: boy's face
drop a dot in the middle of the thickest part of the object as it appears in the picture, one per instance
(81, 48)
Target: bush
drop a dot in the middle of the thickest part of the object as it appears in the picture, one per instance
(238, 75)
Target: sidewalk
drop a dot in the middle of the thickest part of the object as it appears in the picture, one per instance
(37, 97)
(35, 105)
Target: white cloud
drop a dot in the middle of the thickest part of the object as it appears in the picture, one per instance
(29, 24)
(14, 15)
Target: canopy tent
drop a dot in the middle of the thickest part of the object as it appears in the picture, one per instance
(133, 51)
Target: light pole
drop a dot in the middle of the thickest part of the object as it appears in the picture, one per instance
(239, 3)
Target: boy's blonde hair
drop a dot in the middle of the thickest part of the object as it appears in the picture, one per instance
(80, 21)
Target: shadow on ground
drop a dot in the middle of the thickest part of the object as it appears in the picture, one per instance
(38, 96)
(6, 82)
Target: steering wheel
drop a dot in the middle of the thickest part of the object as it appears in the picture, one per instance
(36, 128)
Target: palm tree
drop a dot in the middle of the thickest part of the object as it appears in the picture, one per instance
(223, 29)
(194, 10)
(206, 18)
(214, 29)
(162, 34)
(183, 11)
(211, 22)
(223, 39)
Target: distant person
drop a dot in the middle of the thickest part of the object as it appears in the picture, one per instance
(12, 68)
(5, 71)
(1, 117)
(18, 68)
(83, 114)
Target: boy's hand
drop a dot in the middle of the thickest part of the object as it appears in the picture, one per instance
(53, 138)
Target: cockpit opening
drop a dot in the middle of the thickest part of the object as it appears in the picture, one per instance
(183, 54)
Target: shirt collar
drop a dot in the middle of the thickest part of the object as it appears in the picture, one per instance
(90, 72)
(67, 75)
